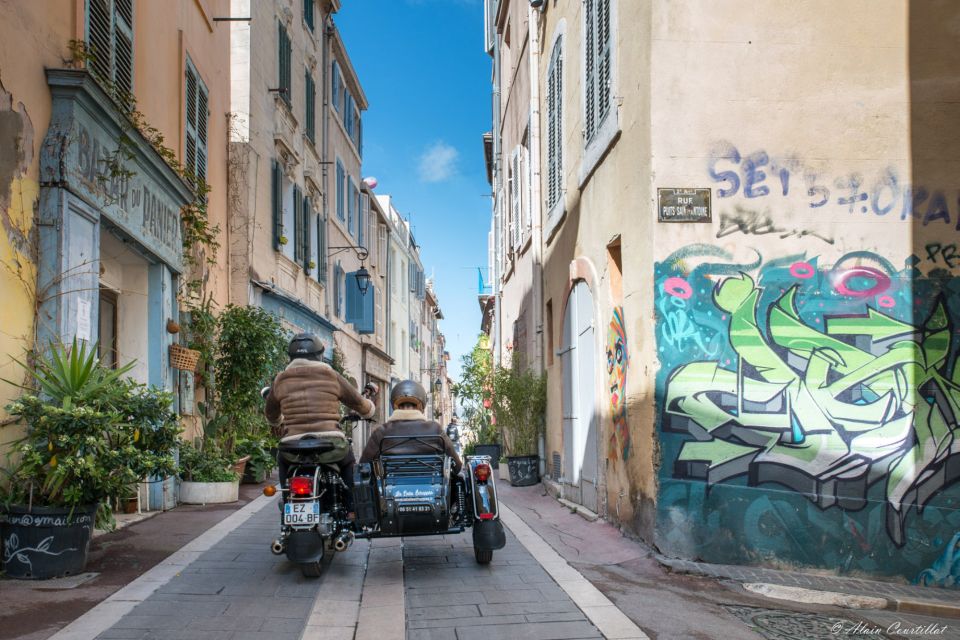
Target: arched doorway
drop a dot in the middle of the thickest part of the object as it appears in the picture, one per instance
(578, 361)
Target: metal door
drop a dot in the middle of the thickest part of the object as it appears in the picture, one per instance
(578, 363)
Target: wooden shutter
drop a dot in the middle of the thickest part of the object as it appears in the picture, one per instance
(321, 249)
(337, 84)
(276, 201)
(203, 112)
(363, 216)
(298, 234)
(305, 212)
(350, 201)
(100, 38)
(190, 144)
(515, 198)
(590, 63)
(284, 55)
(340, 179)
(308, 13)
(310, 94)
(123, 45)
(555, 124)
(603, 60)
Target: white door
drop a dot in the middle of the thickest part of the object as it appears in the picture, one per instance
(579, 366)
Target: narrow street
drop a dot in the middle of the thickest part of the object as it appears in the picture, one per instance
(559, 577)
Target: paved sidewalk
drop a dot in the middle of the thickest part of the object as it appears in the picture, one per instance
(450, 596)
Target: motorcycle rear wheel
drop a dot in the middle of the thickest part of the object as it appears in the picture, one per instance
(310, 569)
(483, 556)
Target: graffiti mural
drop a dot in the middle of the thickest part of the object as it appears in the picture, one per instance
(617, 361)
(811, 403)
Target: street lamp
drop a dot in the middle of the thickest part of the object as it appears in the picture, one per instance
(362, 275)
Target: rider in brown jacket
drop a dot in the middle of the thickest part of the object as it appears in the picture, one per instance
(408, 399)
(306, 397)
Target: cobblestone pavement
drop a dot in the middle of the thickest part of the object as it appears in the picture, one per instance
(450, 596)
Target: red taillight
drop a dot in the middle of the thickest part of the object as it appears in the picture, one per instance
(482, 472)
(486, 516)
(300, 486)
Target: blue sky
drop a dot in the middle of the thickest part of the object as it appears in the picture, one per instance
(427, 78)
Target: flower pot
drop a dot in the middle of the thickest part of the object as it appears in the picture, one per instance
(524, 470)
(129, 505)
(492, 450)
(46, 542)
(209, 492)
(240, 465)
(252, 477)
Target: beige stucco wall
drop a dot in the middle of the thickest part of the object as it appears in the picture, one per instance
(607, 204)
(36, 35)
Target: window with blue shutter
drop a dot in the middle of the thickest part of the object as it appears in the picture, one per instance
(337, 87)
(276, 203)
(110, 40)
(360, 307)
(308, 14)
(555, 124)
(321, 249)
(195, 123)
(305, 212)
(351, 203)
(284, 50)
(340, 194)
(596, 64)
(310, 90)
(298, 233)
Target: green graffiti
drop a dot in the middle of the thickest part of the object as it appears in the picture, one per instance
(826, 413)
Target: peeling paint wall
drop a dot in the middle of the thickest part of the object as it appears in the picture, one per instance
(807, 337)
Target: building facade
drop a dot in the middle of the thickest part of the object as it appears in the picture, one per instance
(735, 271)
(92, 244)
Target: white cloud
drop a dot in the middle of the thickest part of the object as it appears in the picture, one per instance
(438, 162)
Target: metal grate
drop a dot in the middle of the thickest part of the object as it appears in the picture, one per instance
(555, 466)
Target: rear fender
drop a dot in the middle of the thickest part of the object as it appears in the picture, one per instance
(483, 494)
(489, 534)
(304, 546)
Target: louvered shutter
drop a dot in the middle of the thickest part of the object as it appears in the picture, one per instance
(321, 249)
(354, 302)
(310, 102)
(350, 201)
(276, 202)
(284, 56)
(202, 113)
(527, 177)
(340, 177)
(515, 189)
(335, 82)
(123, 45)
(308, 13)
(364, 215)
(100, 38)
(603, 60)
(297, 226)
(305, 212)
(190, 145)
(590, 63)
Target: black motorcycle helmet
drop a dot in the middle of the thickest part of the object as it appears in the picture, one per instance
(408, 391)
(306, 346)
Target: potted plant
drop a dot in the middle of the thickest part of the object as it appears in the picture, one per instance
(88, 438)
(520, 404)
(474, 392)
(206, 475)
(260, 463)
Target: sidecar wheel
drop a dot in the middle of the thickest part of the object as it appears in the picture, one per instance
(483, 556)
(310, 569)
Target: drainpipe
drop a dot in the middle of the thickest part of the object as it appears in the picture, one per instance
(328, 29)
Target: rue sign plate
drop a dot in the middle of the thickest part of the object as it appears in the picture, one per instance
(683, 205)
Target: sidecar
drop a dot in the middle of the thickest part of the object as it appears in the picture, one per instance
(403, 493)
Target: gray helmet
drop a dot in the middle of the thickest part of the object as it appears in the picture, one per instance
(306, 346)
(408, 391)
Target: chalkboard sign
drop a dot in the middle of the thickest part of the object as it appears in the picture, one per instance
(524, 470)
(683, 205)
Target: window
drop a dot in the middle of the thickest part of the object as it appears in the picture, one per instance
(195, 144)
(549, 320)
(555, 125)
(351, 205)
(110, 39)
(340, 199)
(289, 194)
(283, 55)
(515, 187)
(107, 338)
(321, 250)
(308, 14)
(382, 243)
(276, 204)
(363, 213)
(597, 64)
(310, 101)
(337, 82)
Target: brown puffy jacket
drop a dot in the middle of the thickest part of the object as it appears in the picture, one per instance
(307, 396)
(409, 422)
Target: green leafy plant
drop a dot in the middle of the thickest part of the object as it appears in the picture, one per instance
(205, 463)
(261, 461)
(475, 392)
(89, 437)
(520, 406)
(251, 350)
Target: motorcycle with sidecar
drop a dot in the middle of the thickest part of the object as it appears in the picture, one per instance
(399, 494)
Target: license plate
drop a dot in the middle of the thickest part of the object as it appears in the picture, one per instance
(415, 508)
(301, 513)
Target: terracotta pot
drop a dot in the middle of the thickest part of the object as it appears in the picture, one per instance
(240, 465)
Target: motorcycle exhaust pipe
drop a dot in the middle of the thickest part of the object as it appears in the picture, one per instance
(276, 547)
(343, 541)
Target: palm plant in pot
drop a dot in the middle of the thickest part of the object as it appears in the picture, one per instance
(520, 404)
(89, 436)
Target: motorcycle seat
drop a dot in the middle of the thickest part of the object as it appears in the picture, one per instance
(326, 446)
